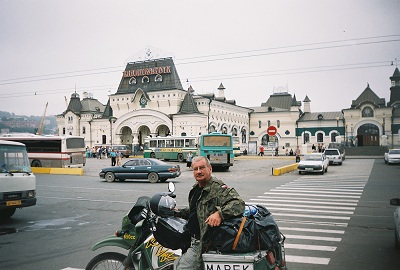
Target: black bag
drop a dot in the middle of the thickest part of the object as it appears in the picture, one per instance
(267, 229)
(223, 236)
(173, 233)
(260, 232)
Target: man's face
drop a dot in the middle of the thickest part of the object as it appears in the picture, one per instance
(201, 172)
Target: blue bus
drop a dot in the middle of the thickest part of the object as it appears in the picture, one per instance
(218, 148)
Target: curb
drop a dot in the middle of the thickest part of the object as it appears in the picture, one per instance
(43, 170)
(284, 169)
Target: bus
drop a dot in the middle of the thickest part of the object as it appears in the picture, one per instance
(236, 146)
(17, 183)
(170, 147)
(51, 151)
(218, 148)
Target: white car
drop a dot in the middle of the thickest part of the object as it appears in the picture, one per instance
(392, 156)
(314, 162)
(334, 156)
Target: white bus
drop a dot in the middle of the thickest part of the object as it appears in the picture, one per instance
(17, 183)
(236, 146)
(170, 147)
(51, 151)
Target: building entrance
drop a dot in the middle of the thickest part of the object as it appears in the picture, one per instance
(368, 135)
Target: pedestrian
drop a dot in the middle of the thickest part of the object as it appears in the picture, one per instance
(298, 154)
(356, 142)
(100, 152)
(119, 158)
(291, 152)
(135, 150)
(113, 156)
(261, 150)
(313, 148)
(189, 158)
(287, 152)
(210, 203)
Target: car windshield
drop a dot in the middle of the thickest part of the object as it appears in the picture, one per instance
(331, 152)
(395, 151)
(312, 157)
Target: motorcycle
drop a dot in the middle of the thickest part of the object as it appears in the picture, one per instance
(155, 238)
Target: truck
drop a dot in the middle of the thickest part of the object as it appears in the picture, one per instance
(17, 182)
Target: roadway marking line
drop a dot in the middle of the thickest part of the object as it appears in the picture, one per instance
(306, 190)
(312, 206)
(310, 247)
(315, 195)
(312, 210)
(314, 223)
(320, 189)
(310, 199)
(310, 216)
(310, 230)
(307, 202)
(310, 237)
(306, 259)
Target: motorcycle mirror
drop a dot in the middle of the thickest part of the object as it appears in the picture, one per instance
(171, 187)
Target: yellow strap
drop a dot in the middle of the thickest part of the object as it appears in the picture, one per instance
(238, 234)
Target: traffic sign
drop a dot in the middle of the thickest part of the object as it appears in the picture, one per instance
(272, 130)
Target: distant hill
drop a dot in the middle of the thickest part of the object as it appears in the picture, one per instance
(10, 122)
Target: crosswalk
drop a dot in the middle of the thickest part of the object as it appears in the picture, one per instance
(313, 213)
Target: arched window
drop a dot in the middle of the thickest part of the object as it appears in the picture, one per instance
(84, 130)
(320, 137)
(306, 137)
(367, 112)
(104, 139)
(333, 136)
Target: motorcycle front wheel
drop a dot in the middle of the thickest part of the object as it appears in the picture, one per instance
(107, 261)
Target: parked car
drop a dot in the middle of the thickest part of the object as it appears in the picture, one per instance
(396, 202)
(392, 156)
(340, 147)
(314, 162)
(125, 150)
(334, 156)
(152, 169)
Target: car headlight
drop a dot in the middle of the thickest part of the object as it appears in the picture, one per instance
(31, 194)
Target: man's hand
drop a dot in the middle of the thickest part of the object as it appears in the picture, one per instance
(214, 220)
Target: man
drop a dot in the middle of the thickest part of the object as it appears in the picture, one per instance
(210, 203)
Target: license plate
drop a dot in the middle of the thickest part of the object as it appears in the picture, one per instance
(309, 169)
(231, 266)
(13, 203)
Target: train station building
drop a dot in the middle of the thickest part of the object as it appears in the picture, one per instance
(150, 101)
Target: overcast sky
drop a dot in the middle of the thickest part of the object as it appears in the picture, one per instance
(328, 50)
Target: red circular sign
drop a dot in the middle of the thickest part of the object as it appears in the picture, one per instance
(271, 130)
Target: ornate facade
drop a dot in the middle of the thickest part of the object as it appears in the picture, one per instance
(150, 101)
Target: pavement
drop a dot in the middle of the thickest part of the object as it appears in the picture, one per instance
(94, 165)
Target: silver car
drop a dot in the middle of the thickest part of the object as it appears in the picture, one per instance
(334, 156)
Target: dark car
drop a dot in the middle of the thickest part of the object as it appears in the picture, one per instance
(151, 169)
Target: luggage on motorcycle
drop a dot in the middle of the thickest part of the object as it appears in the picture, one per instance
(268, 231)
(259, 232)
(135, 215)
(172, 232)
(223, 236)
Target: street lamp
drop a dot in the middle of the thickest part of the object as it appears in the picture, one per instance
(112, 120)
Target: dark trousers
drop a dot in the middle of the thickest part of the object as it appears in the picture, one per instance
(113, 161)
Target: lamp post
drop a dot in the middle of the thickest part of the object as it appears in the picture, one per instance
(383, 124)
(112, 120)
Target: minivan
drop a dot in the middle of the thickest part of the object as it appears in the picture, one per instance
(126, 150)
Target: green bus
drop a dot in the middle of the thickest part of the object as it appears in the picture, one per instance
(170, 147)
(218, 148)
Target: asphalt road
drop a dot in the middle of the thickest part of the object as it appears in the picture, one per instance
(339, 220)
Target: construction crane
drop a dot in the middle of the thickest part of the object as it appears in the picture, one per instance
(41, 125)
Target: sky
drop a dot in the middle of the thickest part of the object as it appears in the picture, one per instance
(329, 50)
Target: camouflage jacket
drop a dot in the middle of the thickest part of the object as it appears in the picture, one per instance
(215, 196)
